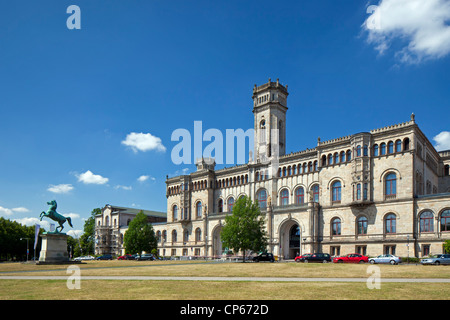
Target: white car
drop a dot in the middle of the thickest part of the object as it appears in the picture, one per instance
(437, 260)
(385, 258)
(84, 258)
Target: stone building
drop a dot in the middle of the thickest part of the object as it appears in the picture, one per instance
(382, 191)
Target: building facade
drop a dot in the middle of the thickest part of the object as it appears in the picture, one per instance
(382, 191)
(112, 223)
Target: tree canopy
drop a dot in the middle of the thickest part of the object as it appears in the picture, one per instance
(140, 235)
(244, 228)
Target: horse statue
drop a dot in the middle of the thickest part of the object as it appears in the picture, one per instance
(52, 214)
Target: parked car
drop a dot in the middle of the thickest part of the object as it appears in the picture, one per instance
(126, 257)
(82, 258)
(264, 257)
(302, 257)
(386, 258)
(317, 257)
(104, 257)
(437, 259)
(145, 256)
(351, 258)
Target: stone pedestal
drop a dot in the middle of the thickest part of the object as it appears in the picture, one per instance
(54, 249)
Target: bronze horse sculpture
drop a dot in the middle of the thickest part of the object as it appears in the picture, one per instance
(52, 214)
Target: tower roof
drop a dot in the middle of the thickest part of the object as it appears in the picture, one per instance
(270, 85)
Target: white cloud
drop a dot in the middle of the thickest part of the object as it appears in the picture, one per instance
(89, 178)
(143, 142)
(75, 233)
(442, 141)
(145, 178)
(33, 221)
(9, 212)
(20, 209)
(60, 188)
(420, 26)
(71, 215)
(123, 187)
(5, 211)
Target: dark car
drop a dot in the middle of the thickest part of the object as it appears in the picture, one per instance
(126, 257)
(104, 257)
(318, 257)
(264, 257)
(145, 256)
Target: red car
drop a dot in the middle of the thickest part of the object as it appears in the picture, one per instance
(352, 258)
(126, 257)
(302, 257)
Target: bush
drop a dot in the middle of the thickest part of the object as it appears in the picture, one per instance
(410, 260)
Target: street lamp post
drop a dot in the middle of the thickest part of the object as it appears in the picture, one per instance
(28, 250)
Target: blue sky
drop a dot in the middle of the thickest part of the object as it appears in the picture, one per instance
(70, 98)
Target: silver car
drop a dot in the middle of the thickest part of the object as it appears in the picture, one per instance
(437, 260)
(386, 258)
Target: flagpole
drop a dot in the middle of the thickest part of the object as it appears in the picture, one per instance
(36, 234)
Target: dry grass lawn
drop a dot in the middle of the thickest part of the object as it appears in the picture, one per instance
(217, 290)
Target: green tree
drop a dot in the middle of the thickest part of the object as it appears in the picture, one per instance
(140, 235)
(447, 246)
(244, 228)
(87, 239)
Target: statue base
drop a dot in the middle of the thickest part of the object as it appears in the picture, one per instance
(54, 249)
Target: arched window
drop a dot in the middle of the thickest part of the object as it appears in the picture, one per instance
(315, 193)
(445, 220)
(336, 191)
(175, 212)
(390, 223)
(361, 227)
(164, 236)
(358, 151)
(174, 236)
(299, 195)
(390, 186)
(324, 162)
(365, 151)
(390, 147)
(336, 227)
(315, 165)
(198, 235)
(358, 191)
(336, 158)
(185, 235)
(261, 197)
(262, 127)
(349, 155)
(230, 204)
(398, 145)
(198, 209)
(375, 150)
(426, 221)
(284, 199)
(330, 159)
(383, 149)
(406, 144)
(220, 205)
(342, 156)
(158, 236)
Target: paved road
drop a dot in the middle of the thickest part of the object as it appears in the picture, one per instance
(261, 279)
